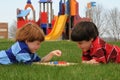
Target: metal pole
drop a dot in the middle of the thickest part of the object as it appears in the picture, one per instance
(69, 19)
(51, 11)
(47, 12)
(40, 11)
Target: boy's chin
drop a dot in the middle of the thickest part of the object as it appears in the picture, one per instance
(84, 50)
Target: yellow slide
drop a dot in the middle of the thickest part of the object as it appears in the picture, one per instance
(57, 28)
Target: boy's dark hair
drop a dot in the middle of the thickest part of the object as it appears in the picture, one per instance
(84, 31)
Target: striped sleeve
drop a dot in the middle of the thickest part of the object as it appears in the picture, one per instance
(36, 58)
(27, 58)
(86, 56)
(100, 56)
(24, 58)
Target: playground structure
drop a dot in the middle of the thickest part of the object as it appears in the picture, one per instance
(53, 26)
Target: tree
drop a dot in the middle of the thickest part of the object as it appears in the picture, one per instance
(113, 23)
(107, 21)
(96, 13)
(12, 30)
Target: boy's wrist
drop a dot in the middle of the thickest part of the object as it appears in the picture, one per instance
(51, 53)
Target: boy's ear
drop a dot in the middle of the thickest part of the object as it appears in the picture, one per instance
(91, 39)
(26, 41)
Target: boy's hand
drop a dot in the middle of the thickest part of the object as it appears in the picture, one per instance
(92, 61)
(57, 52)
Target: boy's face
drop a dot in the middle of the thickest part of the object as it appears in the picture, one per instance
(33, 46)
(84, 45)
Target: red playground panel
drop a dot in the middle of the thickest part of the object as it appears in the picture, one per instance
(23, 22)
(49, 30)
(44, 17)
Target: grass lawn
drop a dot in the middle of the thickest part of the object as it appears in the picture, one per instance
(70, 53)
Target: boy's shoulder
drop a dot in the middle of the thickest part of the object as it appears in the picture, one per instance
(98, 42)
(18, 46)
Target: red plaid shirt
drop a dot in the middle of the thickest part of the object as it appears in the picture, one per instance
(102, 52)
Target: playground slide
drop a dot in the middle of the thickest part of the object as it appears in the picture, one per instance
(57, 28)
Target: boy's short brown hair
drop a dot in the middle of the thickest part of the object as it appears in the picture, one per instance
(30, 32)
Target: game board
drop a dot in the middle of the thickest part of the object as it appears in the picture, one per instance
(56, 63)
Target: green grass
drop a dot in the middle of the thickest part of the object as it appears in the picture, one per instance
(70, 53)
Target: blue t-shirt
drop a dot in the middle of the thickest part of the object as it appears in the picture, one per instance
(18, 53)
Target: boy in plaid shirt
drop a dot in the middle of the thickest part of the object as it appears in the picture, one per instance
(94, 49)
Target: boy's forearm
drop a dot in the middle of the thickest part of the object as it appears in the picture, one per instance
(47, 57)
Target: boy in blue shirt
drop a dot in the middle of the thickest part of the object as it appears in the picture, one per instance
(28, 40)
